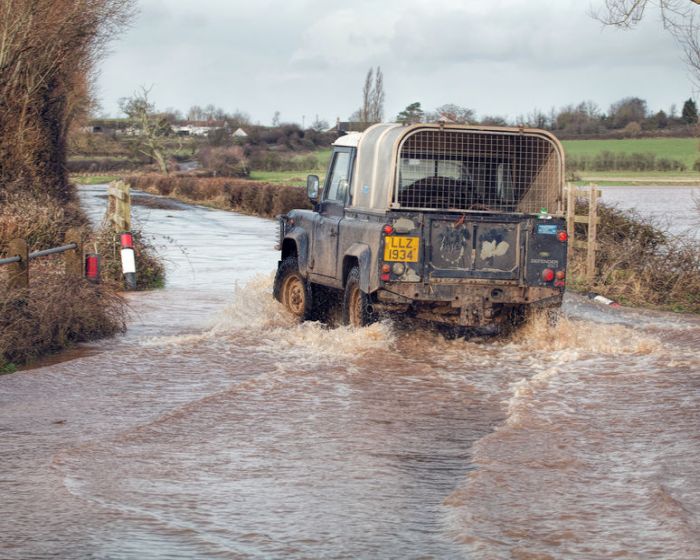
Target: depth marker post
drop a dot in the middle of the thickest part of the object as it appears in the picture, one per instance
(128, 259)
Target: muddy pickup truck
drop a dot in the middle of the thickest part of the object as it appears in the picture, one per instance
(456, 224)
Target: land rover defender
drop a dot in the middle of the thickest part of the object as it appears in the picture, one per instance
(461, 225)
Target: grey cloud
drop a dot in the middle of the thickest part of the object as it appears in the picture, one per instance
(310, 56)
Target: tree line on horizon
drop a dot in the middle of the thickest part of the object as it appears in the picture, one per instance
(629, 115)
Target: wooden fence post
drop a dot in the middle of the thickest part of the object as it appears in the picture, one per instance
(19, 272)
(592, 232)
(570, 220)
(74, 259)
(119, 206)
(591, 220)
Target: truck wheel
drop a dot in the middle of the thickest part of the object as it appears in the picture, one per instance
(292, 290)
(356, 303)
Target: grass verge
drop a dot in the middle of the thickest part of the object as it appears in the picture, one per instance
(55, 312)
(94, 179)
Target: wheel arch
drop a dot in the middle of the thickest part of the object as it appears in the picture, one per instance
(296, 244)
(358, 254)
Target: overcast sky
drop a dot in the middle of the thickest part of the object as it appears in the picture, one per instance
(309, 57)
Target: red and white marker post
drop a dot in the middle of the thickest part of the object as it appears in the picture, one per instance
(128, 259)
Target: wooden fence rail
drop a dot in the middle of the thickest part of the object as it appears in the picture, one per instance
(592, 220)
(19, 258)
(119, 217)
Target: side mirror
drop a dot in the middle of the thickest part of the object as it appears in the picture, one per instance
(312, 183)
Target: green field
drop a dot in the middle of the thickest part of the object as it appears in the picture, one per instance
(297, 178)
(94, 179)
(683, 149)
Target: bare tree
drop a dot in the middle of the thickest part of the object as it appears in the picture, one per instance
(151, 128)
(679, 17)
(376, 108)
(319, 125)
(367, 96)
(195, 113)
(452, 113)
(372, 108)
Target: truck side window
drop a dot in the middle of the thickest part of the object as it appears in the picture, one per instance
(337, 182)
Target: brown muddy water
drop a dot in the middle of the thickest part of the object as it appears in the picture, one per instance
(218, 428)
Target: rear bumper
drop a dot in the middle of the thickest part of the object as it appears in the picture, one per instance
(465, 303)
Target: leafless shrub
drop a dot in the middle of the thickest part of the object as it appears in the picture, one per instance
(251, 197)
(640, 263)
(47, 54)
(224, 161)
(53, 313)
(40, 220)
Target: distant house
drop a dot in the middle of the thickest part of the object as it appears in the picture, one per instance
(198, 128)
(106, 126)
(240, 133)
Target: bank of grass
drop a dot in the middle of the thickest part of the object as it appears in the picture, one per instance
(317, 165)
(94, 179)
(639, 263)
(291, 178)
(53, 312)
(640, 179)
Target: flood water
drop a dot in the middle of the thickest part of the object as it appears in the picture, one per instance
(216, 427)
(674, 208)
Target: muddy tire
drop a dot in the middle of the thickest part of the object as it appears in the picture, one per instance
(356, 303)
(292, 290)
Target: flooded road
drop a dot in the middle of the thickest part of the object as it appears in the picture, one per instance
(219, 428)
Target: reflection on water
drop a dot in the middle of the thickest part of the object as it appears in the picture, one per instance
(218, 427)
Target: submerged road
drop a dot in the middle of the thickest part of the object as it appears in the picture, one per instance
(216, 427)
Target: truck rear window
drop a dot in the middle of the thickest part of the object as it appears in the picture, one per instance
(474, 170)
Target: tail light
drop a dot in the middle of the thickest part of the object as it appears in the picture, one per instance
(386, 268)
(561, 274)
(385, 277)
(388, 230)
(547, 275)
(562, 236)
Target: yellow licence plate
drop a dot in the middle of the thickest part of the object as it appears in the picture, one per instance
(404, 249)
